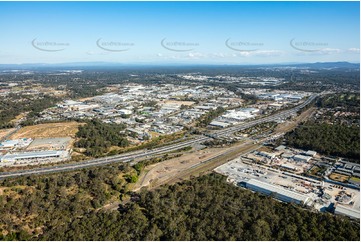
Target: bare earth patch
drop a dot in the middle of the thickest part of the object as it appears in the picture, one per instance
(50, 130)
(187, 103)
(163, 170)
(339, 177)
(4, 132)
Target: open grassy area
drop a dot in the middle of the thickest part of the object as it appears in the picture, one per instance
(355, 179)
(314, 170)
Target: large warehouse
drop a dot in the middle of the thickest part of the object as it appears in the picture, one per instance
(352, 213)
(31, 156)
(279, 193)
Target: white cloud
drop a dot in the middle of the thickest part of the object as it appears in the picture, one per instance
(329, 51)
(97, 53)
(196, 55)
(354, 50)
(220, 55)
(261, 53)
(320, 52)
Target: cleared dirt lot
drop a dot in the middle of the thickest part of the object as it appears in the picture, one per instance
(339, 177)
(50, 143)
(4, 132)
(187, 103)
(51, 130)
(159, 172)
(191, 164)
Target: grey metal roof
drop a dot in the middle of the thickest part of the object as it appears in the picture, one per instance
(347, 211)
(29, 155)
(279, 190)
(302, 157)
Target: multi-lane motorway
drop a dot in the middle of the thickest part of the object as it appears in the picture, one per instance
(127, 157)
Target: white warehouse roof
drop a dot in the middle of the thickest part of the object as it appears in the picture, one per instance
(9, 143)
(281, 192)
(347, 211)
(31, 155)
(220, 124)
(302, 157)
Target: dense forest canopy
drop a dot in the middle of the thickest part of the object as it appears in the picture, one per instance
(328, 139)
(97, 137)
(349, 102)
(17, 104)
(66, 207)
(33, 205)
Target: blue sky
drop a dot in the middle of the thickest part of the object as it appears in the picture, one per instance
(192, 32)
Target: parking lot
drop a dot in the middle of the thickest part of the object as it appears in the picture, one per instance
(50, 143)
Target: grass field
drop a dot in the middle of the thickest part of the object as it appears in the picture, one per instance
(50, 130)
(355, 179)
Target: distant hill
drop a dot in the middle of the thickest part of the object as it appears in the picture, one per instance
(112, 65)
(329, 65)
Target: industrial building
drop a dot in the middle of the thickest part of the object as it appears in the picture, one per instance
(219, 124)
(16, 143)
(347, 212)
(9, 143)
(266, 154)
(280, 96)
(239, 114)
(289, 167)
(125, 111)
(348, 169)
(33, 156)
(302, 158)
(311, 153)
(278, 192)
(281, 148)
(140, 134)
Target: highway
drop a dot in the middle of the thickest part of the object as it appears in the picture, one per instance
(146, 154)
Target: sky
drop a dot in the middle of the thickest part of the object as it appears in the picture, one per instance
(179, 32)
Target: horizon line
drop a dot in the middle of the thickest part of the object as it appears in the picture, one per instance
(175, 63)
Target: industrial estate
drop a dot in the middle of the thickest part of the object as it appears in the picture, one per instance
(180, 121)
(148, 112)
(258, 133)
